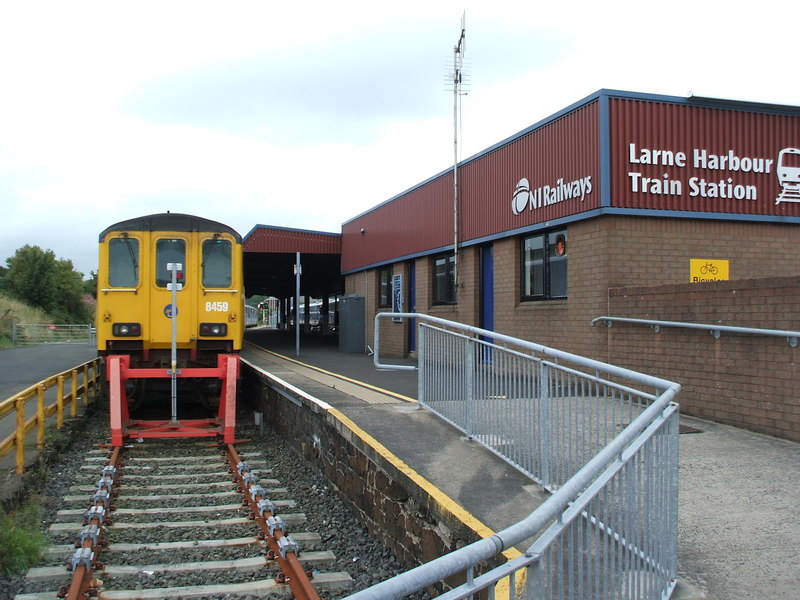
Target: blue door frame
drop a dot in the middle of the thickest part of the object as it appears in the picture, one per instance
(412, 306)
(487, 288)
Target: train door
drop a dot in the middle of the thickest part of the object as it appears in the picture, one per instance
(171, 248)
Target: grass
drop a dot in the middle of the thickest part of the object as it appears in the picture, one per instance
(22, 542)
(13, 310)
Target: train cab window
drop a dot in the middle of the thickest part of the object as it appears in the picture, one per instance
(169, 251)
(217, 263)
(123, 262)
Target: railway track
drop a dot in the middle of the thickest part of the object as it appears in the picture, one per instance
(182, 519)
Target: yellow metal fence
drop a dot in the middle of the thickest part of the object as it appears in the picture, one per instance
(66, 380)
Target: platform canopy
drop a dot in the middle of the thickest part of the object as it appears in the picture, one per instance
(270, 254)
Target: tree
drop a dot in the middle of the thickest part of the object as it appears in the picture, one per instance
(90, 285)
(35, 276)
(31, 276)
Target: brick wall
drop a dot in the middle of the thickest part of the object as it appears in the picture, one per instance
(393, 507)
(610, 252)
(748, 381)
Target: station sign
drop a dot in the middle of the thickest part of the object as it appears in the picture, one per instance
(683, 157)
(708, 269)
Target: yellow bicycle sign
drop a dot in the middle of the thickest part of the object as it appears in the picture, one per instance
(708, 269)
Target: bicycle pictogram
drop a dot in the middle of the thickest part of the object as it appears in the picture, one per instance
(709, 268)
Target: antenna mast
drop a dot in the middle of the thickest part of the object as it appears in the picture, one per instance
(458, 72)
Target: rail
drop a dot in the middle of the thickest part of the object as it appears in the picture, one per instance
(30, 334)
(607, 452)
(24, 425)
(715, 330)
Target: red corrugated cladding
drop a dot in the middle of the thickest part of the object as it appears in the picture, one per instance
(710, 133)
(277, 239)
(566, 149)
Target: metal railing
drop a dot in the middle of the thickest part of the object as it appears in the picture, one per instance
(60, 381)
(602, 439)
(715, 330)
(31, 334)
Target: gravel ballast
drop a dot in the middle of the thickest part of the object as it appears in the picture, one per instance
(326, 514)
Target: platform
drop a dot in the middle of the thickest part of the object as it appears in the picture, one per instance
(738, 526)
(738, 522)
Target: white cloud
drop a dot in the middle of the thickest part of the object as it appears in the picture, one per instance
(306, 115)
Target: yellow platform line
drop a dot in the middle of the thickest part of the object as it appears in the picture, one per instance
(444, 503)
(336, 375)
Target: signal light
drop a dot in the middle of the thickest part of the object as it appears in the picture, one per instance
(126, 330)
(213, 329)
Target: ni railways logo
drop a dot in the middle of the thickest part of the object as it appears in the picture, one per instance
(527, 198)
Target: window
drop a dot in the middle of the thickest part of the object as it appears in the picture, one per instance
(123, 262)
(444, 289)
(217, 265)
(385, 287)
(169, 251)
(544, 266)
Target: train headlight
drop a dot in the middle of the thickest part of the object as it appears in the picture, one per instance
(213, 329)
(126, 330)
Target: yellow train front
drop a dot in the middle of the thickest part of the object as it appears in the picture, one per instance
(163, 342)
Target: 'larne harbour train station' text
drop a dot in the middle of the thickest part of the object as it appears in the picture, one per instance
(724, 187)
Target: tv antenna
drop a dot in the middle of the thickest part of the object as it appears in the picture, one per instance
(458, 81)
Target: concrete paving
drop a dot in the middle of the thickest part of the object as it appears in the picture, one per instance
(739, 523)
(739, 517)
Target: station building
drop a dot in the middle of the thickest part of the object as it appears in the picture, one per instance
(623, 204)
(619, 189)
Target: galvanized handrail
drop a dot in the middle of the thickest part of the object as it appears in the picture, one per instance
(715, 330)
(595, 496)
(640, 378)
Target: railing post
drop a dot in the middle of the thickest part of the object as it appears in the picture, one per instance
(40, 422)
(19, 403)
(534, 581)
(422, 372)
(469, 380)
(86, 385)
(73, 409)
(93, 378)
(544, 424)
(60, 402)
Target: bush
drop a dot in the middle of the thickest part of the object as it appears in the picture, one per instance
(13, 310)
(22, 542)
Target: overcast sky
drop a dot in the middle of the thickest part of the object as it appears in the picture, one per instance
(306, 116)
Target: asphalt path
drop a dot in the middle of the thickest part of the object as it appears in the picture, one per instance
(23, 366)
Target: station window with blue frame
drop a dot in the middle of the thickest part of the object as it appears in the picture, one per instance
(123, 262)
(385, 287)
(217, 263)
(544, 266)
(169, 251)
(444, 285)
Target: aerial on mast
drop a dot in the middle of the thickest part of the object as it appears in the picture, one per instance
(458, 91)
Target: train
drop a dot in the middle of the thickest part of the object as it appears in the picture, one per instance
(170, 323)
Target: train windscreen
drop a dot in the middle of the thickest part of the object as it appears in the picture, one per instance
(217, 263)
(123, 262)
